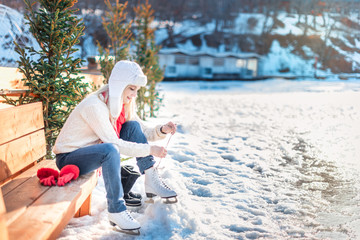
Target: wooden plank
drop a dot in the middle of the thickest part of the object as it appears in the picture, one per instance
(27, 190)
(19, 199)
(14, 183)
(20, 120)
(49, 214)
(3, 230)
(17, 154)
(17, 173)
(13, 92)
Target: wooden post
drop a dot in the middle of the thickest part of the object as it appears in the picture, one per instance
(85, 208)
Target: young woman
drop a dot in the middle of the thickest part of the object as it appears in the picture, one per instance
(103, 126)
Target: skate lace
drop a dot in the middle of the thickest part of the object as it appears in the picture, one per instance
(129, 216)
(159, 180)
(167, 144)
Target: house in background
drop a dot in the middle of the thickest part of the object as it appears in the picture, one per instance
(184, 65)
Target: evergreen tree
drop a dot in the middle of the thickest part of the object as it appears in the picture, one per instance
(148, 99)
(52, 78)
(119, 32)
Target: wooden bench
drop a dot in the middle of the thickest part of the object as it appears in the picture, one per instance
(29, 210)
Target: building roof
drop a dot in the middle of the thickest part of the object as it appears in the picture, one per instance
(168, 51)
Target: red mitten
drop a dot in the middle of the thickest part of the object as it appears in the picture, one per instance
(49, 181)
(47, 176)
(68, 173)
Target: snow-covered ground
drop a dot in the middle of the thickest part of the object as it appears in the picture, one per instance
(251, 160)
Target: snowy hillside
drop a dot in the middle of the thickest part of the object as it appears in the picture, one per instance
(13, 28)
(286, 48)
(332, 39)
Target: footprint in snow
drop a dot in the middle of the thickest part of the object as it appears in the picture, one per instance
(180, 128)
(229, 157)
(200, 191)
(201, 181)
(223, 148)
(182, 158)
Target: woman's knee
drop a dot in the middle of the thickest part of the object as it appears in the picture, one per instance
(132, 125)
(110, 150)
(131, 131)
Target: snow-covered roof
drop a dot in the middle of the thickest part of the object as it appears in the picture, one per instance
(202, 53)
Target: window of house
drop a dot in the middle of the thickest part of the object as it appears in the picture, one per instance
(218, 62)
(193, 60)
(171, 69)
(252, 65)
(179, 59)
(207, 71)
(241, 63)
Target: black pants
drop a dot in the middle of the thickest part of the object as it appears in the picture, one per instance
(128, 177)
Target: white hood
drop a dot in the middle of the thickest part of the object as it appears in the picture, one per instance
(123, 74)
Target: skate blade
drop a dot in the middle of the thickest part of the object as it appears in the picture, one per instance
(150, 200)
(135, 232)
(170, 200)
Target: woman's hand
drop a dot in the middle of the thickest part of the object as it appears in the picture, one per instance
(158, 151)
(170, 127)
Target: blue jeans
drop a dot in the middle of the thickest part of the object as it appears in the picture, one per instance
(107, 156)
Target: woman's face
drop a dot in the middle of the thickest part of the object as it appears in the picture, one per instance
(130, 92)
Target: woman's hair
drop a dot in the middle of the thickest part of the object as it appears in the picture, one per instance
(130, 108)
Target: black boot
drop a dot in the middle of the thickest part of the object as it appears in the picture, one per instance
(131, 202)
(128, 179)
(135, 195)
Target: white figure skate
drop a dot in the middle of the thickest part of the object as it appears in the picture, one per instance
(154, 185)
(125, 222)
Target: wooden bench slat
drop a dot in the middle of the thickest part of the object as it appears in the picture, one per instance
(9, 186)
(53, 210)
(14, 121)
(17, 154)
(27, 190)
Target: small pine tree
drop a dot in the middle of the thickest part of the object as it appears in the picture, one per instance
(148, 99)
(52, 78)
(119, 32)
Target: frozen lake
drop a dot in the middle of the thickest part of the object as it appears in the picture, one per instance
(271, 159)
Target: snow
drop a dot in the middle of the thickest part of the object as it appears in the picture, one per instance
(12, 28)
(290, 25)
(270, 159)
(281, 58)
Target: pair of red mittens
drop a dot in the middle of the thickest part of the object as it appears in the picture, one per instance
(48, 176)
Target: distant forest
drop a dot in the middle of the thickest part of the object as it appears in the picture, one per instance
(223, 13)
(222, 10)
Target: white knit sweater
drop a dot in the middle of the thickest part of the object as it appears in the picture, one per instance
(89, 124)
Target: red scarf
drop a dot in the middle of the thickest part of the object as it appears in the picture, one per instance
(121, 119)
